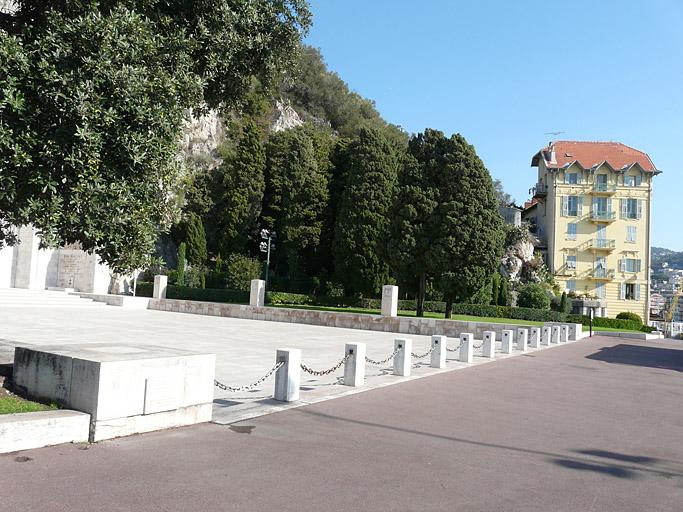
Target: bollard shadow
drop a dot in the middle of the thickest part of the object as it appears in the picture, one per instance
(637, 355)
(623, 466)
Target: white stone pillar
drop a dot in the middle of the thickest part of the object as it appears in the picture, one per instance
(403, 359)
(438, 352)
(466, 348)
(535, 337)
(488, 347)
(354, 368)
(547, 335)
(288, 376)
(389, 300)
(564, 333)
(507, 340)
(575, 332)
(555, 338)
(522, 339)
(257, 295)
(160, 285)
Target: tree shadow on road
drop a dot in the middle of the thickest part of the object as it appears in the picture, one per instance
(636, 355)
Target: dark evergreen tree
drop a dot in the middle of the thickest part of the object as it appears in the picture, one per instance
(503, 292)
(363, 219)
(180, 271)
(495, 287)
(195, 238)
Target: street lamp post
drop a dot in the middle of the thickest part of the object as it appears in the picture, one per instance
(268, 236)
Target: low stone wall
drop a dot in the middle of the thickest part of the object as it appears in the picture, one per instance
(125, 301)
(403, 325)
(37, 429)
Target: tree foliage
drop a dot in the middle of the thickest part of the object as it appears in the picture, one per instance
(534, 296)
(90, 122)
(195, 238)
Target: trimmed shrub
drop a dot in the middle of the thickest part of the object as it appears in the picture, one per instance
(533, 296)
(613, 323)
(627, 315)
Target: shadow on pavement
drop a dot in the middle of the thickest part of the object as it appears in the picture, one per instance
(650, 357)
(605, 469)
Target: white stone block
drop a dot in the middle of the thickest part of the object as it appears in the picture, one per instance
(288, 376)
(575, 332)
(564, 333)
(115, 384)
(507, 341)
(489, 344)
(46, 428)
(466, 348)
(438, 359)
(389, 300)
(354, 368)
(546, 337)
(402, 360)
(257, 294)
(522, 339)
(555, 338)
(160, 285)
(535, 337)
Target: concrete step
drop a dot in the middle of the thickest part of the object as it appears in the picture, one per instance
(18, 297)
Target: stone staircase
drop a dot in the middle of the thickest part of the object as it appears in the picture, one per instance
(23, 298)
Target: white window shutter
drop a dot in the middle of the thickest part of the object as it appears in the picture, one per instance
(609, 204)
(622, 265)
(594, 207)
(565, 211)
(579, 208)
(622, 294)
(637, 292)
(638, 265)
(622, 203)
(640, 209)
(639, 179)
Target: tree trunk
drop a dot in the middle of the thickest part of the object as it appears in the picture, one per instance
(421, 289)
(449, 308)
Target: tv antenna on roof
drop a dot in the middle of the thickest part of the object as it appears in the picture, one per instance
(553, 133)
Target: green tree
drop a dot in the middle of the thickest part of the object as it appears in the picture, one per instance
(503, 292)
(495, 287)
(180, 271)
(295, 199)
(195, 238)
(243, 184)
(534, 296)
(565, 306)
(460, 231)
(240, 270)
(363, 220)
(93, 103)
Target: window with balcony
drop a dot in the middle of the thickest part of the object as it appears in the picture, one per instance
(631, 208)
(571, 231)
(571, 262)
(571, 285)
(600, 291)
(630, 291)
(571, 206)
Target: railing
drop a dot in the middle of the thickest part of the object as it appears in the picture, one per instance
(604, 188)
(602, 243)
(540, 189)
(602, 273)
(603, 215)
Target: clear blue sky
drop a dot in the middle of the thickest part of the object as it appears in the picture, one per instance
(505, 73)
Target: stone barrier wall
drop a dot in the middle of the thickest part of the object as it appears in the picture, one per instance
(404, 325)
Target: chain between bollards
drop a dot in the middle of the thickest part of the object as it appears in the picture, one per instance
(384, 361)
(225, 387)
(320, 373)
(420, 356)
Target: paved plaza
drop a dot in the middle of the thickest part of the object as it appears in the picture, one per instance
(593, 425)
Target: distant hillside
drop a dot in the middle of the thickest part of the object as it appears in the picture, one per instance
(661, 255)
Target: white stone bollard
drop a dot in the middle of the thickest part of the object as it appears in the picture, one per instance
(535, 337)
(488, 347)
(507, 340)
(160, 285)
(522, 339)
(354, 368)
(564, 333)
(438, 352)
(555, 337)
(257, 294)
(288, 376)
(575, 332)
(546, 338)
(389, 300)
(402, 360)
(466, 351)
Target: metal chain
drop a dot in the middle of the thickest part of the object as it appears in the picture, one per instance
(420, 356)
(225, 387)
(320, 373)
(383, 361)
(477, 347)
(454, 349)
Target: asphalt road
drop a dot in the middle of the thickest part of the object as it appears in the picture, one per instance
(593, 425)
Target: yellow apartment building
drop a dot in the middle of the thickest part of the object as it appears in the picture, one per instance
(591, 213)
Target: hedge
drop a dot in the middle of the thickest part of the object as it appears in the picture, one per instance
(614, 323)
(144, 289)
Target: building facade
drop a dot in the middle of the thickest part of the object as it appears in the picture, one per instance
(591, 213)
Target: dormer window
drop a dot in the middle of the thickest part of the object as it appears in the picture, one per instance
(632, 180)
(572, 178)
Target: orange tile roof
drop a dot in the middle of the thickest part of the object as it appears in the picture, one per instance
(590, 154)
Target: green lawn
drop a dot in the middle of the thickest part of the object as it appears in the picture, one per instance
(10, 404)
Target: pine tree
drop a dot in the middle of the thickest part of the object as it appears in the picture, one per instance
(180, 271)
(238, 205)
(363, 219)
(495, 287)
(503, 294)
(195, 238)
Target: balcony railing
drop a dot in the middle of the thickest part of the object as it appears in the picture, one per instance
(602, 274)
(540, 190)
(602, 244)
(604, 188)
(603, 216)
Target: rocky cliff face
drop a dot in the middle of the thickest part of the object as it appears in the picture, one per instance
(201, 137)
(285, 117)
(518, 263)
